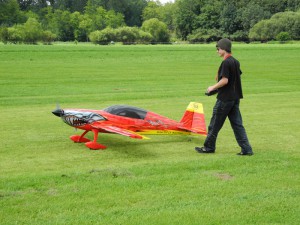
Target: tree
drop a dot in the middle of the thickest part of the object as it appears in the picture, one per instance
(70, 5)
(75, 19)
(273, 6)
(168, 15)
(152, 10)
(34, 5)
(209, 18)
(99, 19)
(60, 24)
(10, 13)
(187, 12)
(165, 13)
(157, 29)
(293, 5)
(131, 9)
(132, 12)
(262, 31)
(32, 31)
(114, 19)
(281, 22)
(85, 27)
(252, 14)
(228, 21)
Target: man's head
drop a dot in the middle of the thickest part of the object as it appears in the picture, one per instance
(224, 44)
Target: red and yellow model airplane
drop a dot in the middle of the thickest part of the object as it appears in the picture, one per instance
(130, 121)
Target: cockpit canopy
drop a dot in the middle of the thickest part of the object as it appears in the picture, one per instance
(126, 111)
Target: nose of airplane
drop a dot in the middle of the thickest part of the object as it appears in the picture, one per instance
(58, 112)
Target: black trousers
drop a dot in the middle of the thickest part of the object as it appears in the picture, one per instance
(221, 111)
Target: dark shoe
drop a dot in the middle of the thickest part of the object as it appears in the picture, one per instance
(245, 153)
(203, 150)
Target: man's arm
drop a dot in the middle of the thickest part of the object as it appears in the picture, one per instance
(221, 83)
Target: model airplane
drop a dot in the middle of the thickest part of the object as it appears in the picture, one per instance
(130, 121)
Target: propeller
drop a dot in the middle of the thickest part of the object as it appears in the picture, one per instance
(58, 111)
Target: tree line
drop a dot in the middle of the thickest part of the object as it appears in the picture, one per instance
(147, 21)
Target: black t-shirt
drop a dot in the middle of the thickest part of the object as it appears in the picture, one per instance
(230, 68)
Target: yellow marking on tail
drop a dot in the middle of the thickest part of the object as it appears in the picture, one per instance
(195, 107)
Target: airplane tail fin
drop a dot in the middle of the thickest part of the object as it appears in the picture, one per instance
(193, 119)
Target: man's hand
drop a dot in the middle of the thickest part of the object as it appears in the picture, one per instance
(210, 88)
(214, 89)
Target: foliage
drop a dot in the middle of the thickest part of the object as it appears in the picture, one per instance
(210, 15)
(283, 37)
(31, 33)
(204, 35)
(126, 35)
(187, 12)
(266, 30)
(239, 35)
(60, 24)
(75, 20)
(157, 29)
(229, 17)
(130, 9)
(152, 10)
(144, 37)
(103, 37)
(47, 37)
(164, 13)
(4, 34)
(15, 34)
(10, 13)
(251, 14)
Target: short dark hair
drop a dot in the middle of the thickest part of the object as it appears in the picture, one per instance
(224, 44)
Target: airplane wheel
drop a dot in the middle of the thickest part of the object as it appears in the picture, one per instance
(95, 146)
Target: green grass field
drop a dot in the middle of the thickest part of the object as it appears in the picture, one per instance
(47, 179)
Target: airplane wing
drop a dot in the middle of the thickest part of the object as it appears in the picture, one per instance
(117, 130)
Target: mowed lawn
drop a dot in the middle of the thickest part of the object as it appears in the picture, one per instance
(47, 179)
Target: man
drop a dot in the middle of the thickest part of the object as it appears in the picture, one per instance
(229, 89)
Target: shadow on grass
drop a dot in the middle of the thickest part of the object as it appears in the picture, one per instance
(137, 148)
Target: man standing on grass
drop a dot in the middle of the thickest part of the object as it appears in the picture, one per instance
(229, 89)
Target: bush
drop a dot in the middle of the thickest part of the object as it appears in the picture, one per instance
(132, 35)
(47, 37)
(15, 34)
(144, 37)
(103, 37)
(284, 22)
(283, 37)
(32, 31)
(157, 29)
(4, 34)
(127, 35)
(240, 36)
(206, 36)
